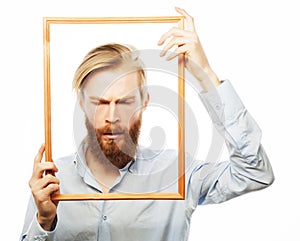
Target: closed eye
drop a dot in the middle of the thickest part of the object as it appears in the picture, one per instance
(97, 101)
(125, 102)
(122, 101)
(100, 102)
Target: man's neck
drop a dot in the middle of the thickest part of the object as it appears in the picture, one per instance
(103, 170)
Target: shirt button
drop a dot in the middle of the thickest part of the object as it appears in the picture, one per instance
(218, 106)
(104, 217)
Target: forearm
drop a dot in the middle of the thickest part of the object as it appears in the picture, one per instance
(233, 121)
(207, 79)
(248, 167)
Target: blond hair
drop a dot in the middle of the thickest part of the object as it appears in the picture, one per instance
(110, 56)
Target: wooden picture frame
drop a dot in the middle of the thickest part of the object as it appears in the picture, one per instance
(50, 21)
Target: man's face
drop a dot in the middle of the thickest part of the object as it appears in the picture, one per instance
(113, 106)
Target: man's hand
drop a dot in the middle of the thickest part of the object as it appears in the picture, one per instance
(189, 44)
(42, 187)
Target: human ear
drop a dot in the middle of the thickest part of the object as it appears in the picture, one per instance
(80, 97)
(146, 101)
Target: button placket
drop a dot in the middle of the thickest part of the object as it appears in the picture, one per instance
(102, 207)
(104, 229)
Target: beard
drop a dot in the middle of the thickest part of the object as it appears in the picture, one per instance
(118, 152)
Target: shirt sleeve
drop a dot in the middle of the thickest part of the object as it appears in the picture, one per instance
(32, 231)
(248, 167)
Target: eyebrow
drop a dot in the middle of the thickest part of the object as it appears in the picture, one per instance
(103, 100)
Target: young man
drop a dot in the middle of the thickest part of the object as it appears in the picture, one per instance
(111, 87)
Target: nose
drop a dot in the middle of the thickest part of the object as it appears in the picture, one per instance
(112, 115)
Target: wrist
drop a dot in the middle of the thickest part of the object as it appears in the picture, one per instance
(48, 224)
(209, 81)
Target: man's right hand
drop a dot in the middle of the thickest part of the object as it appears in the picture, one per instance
(42, 187)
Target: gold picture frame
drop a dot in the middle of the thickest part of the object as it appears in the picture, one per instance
(50, 21)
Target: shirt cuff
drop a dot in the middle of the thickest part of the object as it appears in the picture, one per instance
(222, 103)
(232, 119)
(36, 232)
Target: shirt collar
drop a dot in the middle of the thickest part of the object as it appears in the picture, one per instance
(81, 164)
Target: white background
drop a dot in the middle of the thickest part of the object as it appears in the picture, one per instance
(253, 43)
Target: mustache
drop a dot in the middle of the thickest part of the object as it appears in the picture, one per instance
(111, 130)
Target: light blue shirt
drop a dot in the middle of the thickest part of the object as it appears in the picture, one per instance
(247, 169)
